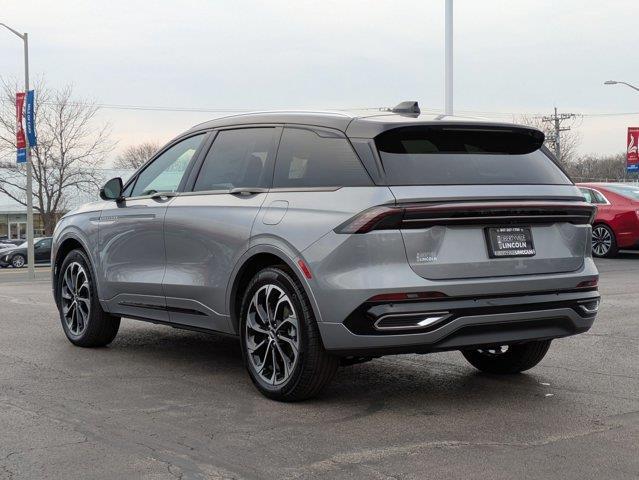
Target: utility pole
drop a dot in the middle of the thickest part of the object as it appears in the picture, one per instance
(30, 253)
(448, 55)
(556, 120)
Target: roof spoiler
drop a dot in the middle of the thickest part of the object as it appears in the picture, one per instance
(410, 107)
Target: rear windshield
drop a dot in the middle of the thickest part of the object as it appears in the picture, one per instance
(627, 191)
(466, 156)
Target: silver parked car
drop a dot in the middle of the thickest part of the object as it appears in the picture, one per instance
(323, 239)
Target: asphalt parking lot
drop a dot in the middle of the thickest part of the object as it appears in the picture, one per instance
(164, 403)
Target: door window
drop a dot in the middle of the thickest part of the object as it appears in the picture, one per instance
(307, 159)
(165, 173)
(238, 158)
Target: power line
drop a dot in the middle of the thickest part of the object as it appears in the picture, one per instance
(164, 108)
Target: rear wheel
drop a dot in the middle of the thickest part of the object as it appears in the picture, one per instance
(281, 343)
(18, 261)
(83, 320)
(604, 243)
(507, 359)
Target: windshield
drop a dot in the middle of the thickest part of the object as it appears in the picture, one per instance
(466, 156)
(627, 191)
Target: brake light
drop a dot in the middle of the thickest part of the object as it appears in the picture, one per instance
(424, 215)
(373, 218)
(589, 283)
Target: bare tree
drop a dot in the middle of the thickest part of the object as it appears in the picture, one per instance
(601, 168)
(569, 139)
(135, 156)
(71, 147)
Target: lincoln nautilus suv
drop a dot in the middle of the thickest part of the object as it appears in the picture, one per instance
(323, 239)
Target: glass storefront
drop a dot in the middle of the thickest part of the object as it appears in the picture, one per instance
(14, 226)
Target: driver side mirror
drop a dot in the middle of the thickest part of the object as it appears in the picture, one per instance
(112, 189)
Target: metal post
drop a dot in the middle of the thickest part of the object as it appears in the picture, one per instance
(448, 80)
(29, 189)
(30, 252)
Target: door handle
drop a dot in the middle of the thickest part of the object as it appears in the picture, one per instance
(163, 195)
(247, 190)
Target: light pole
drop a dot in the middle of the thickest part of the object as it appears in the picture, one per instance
(448, 63)
(615, 82)
(30, 256)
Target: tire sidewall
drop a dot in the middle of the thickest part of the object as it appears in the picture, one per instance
(81, 258)
(275, 276)
(613, 245)
(24, 261)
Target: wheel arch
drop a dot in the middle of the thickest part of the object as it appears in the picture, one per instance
(65, 245)
(255, 259)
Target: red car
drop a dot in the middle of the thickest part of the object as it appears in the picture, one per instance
(616, 225)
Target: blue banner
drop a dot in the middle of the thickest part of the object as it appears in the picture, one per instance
(22, 155)
(30, 119)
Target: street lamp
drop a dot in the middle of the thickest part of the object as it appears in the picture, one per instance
(615, 82)
(30, 256)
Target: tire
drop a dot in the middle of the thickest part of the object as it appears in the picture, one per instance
(289, 321)
(85, 324)
(604, 242)
(18, 261)
(515, 359)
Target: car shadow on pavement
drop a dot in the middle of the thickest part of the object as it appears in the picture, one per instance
(405, 380)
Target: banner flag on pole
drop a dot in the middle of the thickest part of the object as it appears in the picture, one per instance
(30, 119)
(21, 143)
(632, 151)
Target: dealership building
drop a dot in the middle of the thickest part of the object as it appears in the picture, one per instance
(13, 215)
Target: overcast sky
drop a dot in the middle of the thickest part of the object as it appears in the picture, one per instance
(523, 56)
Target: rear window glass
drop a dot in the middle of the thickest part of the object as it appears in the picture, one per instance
(308, 159)
(466, 156)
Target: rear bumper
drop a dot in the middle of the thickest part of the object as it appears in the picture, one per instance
(469, 322)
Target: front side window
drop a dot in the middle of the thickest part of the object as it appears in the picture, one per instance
(46, 243)
(165, 173)
(238, 158)
(466, 156)
(308, 159)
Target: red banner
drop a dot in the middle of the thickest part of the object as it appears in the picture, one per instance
(632, 155)
(20, 140)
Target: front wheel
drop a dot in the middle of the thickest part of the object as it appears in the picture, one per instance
(281, 344)
(507, 359)
(18, 261)
(83, 320)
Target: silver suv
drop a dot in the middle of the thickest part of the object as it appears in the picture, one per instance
(325, 239)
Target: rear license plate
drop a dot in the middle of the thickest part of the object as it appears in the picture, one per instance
(510, 242)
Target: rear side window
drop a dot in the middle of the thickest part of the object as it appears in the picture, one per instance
(238, 158)
(312, 159)
(466, 156)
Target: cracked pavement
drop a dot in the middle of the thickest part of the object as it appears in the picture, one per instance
(163, 403)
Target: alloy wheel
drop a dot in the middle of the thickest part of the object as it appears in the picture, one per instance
(18, 261)
(601, 241)
(272, 335)
(76, 298)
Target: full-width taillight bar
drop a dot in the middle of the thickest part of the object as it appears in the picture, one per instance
(387, 217)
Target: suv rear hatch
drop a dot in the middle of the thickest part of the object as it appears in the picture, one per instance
(477, 202)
